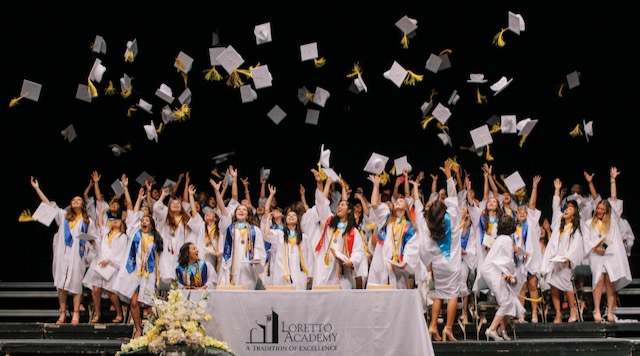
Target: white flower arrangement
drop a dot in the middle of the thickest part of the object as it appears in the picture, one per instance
(176, 322)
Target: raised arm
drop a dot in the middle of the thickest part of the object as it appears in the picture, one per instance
(303, 198)
(375, 191)
(234, 183)
(272, 193)
(592, 188)
(85, 195)
(245, 184)
(149, 185)
(139, 200)
(95, 176)
(533, 198)
(128, 203)
(192, 200)
(174, 190)
(187, 188)
(36, 186)
(457, 170)
(219, 199)
(613, 174)
(407, 186)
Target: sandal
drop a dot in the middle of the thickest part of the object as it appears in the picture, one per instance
(118, 319)
(96, 319)
(63, 317)
(75, 320)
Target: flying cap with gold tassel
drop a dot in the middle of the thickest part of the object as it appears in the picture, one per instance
(30, 90)
(26, 216)
(131, 51)
(183, 64)
(408, 26)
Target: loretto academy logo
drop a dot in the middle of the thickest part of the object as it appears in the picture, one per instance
(278, 336)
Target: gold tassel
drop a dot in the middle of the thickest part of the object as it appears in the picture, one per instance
(215, 173)
(180, 65)
(454, 162)
(522, 139)
(404, 41)
(480, 99)
(489, 157)
(412, 78)
(25, 216)
(446, 50)
(356, 71)
(576, 131)
(159, 129)
(15, 101)
(185, 78)
(384, 178)
(426, 121)
(319, 62)
(433, 93)
(560, 90)
(393, 169)
(131, 110)
(127, 147)
(310, 96)
(321, 173)
(442, 126)
(92, 89)
(495, 128)
(213, 75)
(184, 112)
(125, 94)
(234, 80)
(498, 39)
(129, 57)
(110, 90)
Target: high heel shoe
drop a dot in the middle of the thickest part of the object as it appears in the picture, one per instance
(95, 319)
(573, 319)
(433, 333)
(597, 317)
(492, 334)
(503, 333)
(447, 334)
(63, 317)
(75, 319)
(118, 319)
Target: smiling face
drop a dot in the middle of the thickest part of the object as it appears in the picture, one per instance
(343, 210)
(242, 212)
(193, 253)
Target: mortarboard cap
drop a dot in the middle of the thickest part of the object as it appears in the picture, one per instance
(227, 177)
(308, 51)
(276, 114)
(151, 132)
(117, 187)
(516, 23)
(407, 25)
(500, 85)
(142, 178)
(167, 114)
(247, 94)
(217, 159)
(303, 95)
(508, 124)
(99, 45)
(230, 59)
(142, 104)
(376, 163)
(358, 82)
(481, 137)
(441, 113)
(445, 138)
(588, 129)
(514, 182)
(325, 155)
(453, 99)
(213, 55)
(446, 62)
(83, 93)
(263, 33)
(493, 120)
(526, 126)
(396, 74)
(426, 106)
(125, 83)
(168, 183)
(401, 165)
(97, 71)
(207, 209)
(264, 173)
(320, 97)
(215, 38)
(312, 117)
(44, 214)
(573, 79)
(69, 133)
(30, 90)
(185, 97)
(117, 150)
(165, 93)
(183, 62)
(433, 63)
(477, 78)
(331, 174)
(131, 51)
(261, 77)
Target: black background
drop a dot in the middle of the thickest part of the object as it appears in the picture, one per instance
(54, 50)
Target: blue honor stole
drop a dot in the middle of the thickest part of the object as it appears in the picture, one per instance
(382, 233)
(464, 239)
(135, 245)
(228, 242)
(483, 229)
(409, 232)
(68, 238)
(445, 242)
(193, 275)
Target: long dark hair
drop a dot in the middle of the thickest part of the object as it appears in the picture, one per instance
(183, 255)
(298, 230)
(157, 238)
(435, 219)
(351, 220)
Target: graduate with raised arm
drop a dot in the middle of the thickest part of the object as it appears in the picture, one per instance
(71, 254)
